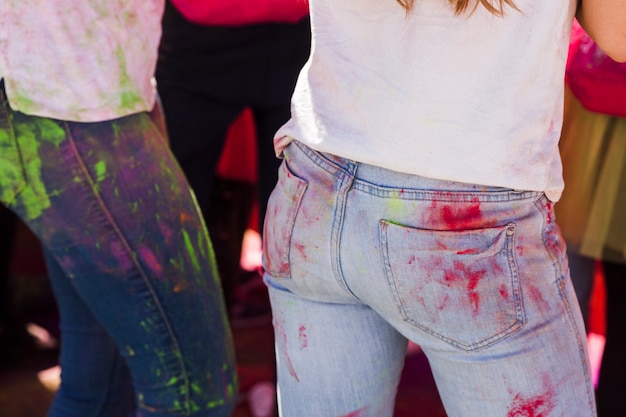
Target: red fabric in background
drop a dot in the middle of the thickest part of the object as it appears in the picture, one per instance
(239, 157)
(597, 307)
(242, 12)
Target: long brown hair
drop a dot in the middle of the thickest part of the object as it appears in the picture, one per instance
(461, 6)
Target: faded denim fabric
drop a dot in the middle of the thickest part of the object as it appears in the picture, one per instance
(130, 263)
(360, 259)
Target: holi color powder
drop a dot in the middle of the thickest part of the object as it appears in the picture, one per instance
(150, 260)
(463, 274)
(358, 413)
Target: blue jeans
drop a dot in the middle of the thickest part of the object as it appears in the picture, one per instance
(360, 259)
(142, 316)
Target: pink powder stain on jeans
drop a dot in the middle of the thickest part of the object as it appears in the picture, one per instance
(535, 406)
(302, 336)
(118, 250)
(281, 339)
(358, 413)
(538, 406)
(464, 217)
(147, 256)
(462, 274)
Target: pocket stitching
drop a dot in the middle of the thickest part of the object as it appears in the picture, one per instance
(288, 225)
(516, 298)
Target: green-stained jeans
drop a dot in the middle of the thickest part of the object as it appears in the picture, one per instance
(142, 316)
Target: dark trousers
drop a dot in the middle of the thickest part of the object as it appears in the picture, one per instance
(8, 221)
(611, 384)
(206, 77)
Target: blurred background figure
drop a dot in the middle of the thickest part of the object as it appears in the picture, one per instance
(11, 330)
(207, 75)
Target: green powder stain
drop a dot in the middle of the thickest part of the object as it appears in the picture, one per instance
(193, 406)
(129, 98)
(34, 196)
(173, 380)
(231, 391)
(50, 131)
(30, 136)
(177, 264)
(20, 101)
(196, 388)
(191, 251)
(396, 204)
(214, 404)
(11, 176)
(213, 261)
(201, 243)
(101, 170)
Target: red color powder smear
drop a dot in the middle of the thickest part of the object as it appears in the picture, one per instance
(304, 341)
(538, 406)
(462, 218)
(300, 248)
(282, 340)
(148, 257)
(461, 273)
(549, 207)
(503, 292)
(357, 413)
(467, 252)
(537, 297)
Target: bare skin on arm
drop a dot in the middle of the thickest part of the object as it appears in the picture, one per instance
(605, 22)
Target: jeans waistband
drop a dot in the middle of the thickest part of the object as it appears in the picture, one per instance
(369, 177)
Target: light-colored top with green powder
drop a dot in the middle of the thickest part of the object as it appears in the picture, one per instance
(84, 60)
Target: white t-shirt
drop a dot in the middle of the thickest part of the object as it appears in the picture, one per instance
(85, 60)
(472, 98)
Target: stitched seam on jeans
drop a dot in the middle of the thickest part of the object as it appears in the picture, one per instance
(540, 204)
(405, 313)
(345, 181)
(327, 165)
(444, 195)
(126, 246)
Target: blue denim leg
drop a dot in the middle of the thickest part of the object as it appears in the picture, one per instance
(113, 210)
(91, 364)
(359, 259)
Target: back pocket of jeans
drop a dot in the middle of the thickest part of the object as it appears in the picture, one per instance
(12, 178)
(280, 218)
(460, 286)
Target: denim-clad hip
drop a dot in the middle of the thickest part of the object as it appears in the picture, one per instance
(130, 263)
(477, 276)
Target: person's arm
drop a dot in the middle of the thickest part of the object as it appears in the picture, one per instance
(605, 22)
